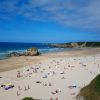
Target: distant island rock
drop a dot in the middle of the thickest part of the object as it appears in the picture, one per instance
(76, 44)
(30, 52)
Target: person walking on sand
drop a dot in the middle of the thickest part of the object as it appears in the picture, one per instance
(51, 98)
(56, 98)
(50, 84)
(18, 93)
(28, 87)
(25, 88)
(19, 88)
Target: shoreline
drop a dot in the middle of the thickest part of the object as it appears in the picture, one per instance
(19, 62)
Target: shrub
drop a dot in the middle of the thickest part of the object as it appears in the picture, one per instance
(91, 91)
(28, 98)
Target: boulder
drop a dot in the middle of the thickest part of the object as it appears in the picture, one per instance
(13, 54)
(32, 52)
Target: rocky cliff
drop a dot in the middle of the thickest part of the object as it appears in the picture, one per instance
(77, 44)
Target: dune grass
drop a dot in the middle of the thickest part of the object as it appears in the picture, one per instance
(29, 98)
(91, 91)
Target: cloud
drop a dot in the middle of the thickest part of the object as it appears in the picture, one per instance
(83, 14)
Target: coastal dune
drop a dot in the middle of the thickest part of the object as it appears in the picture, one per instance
(58, 75)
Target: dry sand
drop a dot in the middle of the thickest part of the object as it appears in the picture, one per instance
(59, 70)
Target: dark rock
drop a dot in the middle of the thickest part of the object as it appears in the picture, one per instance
(13, 54)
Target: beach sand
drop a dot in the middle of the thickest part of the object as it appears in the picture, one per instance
(57, 75)
(18, 62)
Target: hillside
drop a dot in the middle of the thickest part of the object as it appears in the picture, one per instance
(76, 44)
(92, 91)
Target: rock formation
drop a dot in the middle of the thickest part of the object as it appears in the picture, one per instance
(29, 52)
(76, 44)
(32, 52)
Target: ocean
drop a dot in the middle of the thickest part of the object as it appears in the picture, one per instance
(6, 48)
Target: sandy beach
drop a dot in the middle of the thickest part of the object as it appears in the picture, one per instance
(58, 75)
(18, 62)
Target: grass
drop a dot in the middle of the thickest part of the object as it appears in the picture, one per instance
(29, 98)
(91, 91)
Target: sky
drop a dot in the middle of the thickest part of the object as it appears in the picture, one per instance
(56, 21)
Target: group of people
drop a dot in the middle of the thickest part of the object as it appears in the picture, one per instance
(19, 89)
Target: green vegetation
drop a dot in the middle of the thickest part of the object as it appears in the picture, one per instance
(92, 91)
(90, 44)
(29, 98)
(75, 44)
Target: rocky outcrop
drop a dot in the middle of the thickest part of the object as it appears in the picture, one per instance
(32, 52)
(65, 45)
(29, 52)
(13, 54)
(77, 44)
(58, 45)
(71, 45)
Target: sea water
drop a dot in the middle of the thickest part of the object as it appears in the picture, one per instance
(7, 47)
